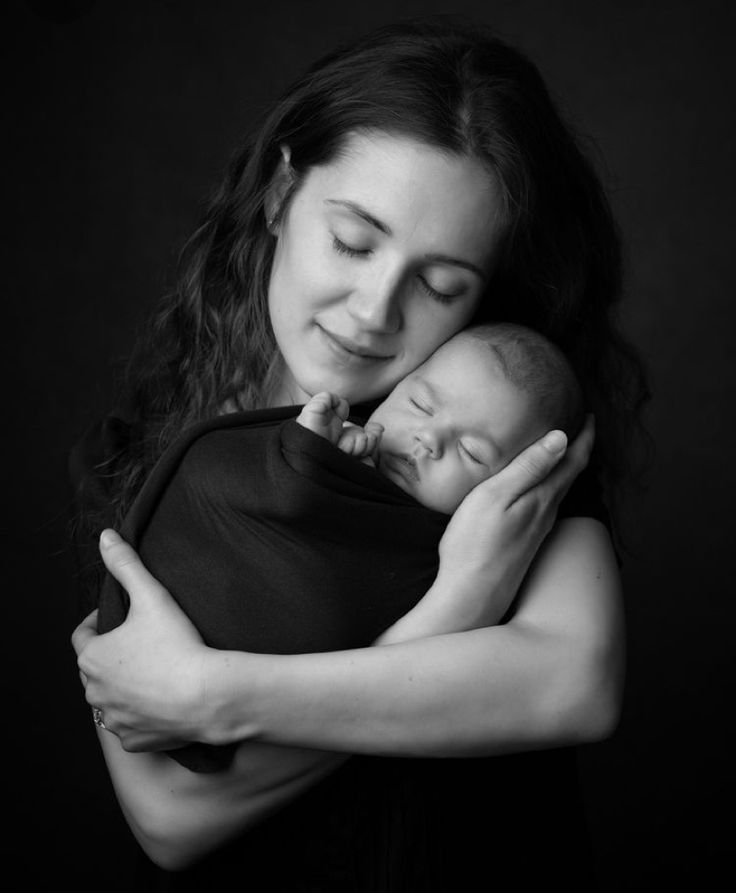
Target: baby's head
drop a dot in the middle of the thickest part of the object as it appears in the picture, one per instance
(478, 401)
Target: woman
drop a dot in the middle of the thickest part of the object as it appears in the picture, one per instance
(411, 184)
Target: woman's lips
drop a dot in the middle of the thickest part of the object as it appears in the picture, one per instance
(347, 349)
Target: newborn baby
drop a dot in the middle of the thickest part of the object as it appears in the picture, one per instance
(477, 402)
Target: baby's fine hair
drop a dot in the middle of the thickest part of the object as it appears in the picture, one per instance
(537, 367)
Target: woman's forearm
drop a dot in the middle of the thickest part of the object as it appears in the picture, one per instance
(550, 676)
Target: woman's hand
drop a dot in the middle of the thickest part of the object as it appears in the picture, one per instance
(493, 536)
(146, 676)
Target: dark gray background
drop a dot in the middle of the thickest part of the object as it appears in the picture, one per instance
(119, 122)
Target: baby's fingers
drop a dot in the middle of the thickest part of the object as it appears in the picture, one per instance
(330, 402)
(322, 403)
(354, 444)
(373, 433)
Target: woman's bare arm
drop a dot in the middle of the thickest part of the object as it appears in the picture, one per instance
(178, 816)
(531, 683)
(550, 676)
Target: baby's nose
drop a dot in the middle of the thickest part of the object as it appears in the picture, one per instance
(428, 440)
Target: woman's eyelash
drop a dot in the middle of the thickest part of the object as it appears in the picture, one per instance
(433, 293)
(342, 248)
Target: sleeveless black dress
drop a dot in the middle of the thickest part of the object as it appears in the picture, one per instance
(377, 825)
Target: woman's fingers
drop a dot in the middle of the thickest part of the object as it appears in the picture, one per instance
(582, 446)
(549, 464)
(530, 467)
(86, 631)
(146, 674)
(493, 536)
(576, 458)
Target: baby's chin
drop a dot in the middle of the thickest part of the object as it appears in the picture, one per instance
(424, 494)
(445, 504)
(445, 501)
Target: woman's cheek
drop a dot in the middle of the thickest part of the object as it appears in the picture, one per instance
(319, 278)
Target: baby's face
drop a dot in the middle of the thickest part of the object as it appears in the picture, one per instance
(452, 423)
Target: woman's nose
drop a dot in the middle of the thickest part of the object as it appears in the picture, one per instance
(376, 304)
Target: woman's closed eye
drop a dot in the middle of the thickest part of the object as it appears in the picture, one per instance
(351, 251)
(441, 296)
(342, 247)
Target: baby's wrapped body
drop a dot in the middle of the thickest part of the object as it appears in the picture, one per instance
(273, 540)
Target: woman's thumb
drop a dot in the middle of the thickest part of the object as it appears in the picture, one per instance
(123, 562)
(532, 465)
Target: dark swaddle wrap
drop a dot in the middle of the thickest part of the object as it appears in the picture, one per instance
(272, 540)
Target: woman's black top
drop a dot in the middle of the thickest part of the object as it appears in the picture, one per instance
(383, 825)
(271, 539)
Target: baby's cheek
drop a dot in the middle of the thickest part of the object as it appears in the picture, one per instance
(450, 488)
(467, 482)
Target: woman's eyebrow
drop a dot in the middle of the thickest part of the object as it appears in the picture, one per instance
(364, 214)
(456, 262)
(361, 212)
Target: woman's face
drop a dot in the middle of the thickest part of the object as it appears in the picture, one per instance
(381, 256)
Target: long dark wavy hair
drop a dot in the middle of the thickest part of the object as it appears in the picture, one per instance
(450, 85)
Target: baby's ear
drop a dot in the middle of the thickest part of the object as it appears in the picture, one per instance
(278, 191)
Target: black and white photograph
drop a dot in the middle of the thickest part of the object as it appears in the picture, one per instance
(371, 421)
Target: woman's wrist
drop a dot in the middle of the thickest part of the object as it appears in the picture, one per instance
(230, 682)
(453, 604)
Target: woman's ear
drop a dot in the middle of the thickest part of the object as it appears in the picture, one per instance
(278, 190)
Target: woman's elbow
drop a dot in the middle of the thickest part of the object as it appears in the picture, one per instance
(592, 697)
(166, 857)
(598, 713)
(163, 848)
(164, 840)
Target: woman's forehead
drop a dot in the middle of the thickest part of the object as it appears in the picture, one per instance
(416, 191)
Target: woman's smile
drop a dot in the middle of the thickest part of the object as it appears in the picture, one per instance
(349, 350)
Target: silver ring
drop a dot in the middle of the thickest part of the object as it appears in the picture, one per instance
(98, 718)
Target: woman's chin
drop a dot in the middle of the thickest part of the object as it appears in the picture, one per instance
(355, 389)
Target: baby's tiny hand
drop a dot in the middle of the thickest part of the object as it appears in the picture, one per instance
(361, 442)
(324, 415)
